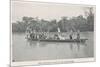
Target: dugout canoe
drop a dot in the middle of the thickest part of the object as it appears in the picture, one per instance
(57, 40)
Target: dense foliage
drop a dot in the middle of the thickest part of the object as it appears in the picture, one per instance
(65, 24)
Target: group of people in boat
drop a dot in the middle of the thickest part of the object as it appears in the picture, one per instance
(44, 35)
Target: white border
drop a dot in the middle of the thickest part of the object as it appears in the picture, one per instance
(46, 62)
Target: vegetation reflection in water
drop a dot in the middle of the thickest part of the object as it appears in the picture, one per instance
(44, 44)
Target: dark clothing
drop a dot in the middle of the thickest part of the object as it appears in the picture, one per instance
(78, 36)
(70, 36)
(56, 37)
(32, 36)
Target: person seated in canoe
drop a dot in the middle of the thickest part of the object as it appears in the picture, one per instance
(32, 35)
(71, 34)
(42, 35)
(56, 37)
(78, 34)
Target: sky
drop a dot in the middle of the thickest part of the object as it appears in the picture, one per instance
(48, 11)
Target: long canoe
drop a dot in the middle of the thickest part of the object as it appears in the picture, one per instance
(66, 40)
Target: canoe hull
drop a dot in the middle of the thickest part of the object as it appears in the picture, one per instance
(66, 40)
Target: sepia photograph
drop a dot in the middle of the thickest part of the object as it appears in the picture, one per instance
(43, 31)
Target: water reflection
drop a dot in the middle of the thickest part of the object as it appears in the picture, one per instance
(36, 44)
(78, 46)
(71, 45)
(74, 46)
(24, 50)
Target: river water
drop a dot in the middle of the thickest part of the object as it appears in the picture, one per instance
(23, 50)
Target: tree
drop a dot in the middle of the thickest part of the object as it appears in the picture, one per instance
(63, 24)
(90, 18)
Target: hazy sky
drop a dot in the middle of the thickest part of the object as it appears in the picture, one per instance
(43, 10)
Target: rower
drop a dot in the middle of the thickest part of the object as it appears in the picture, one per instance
(70, 36)
(71, 33)
(56, 37)
(78, 34)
